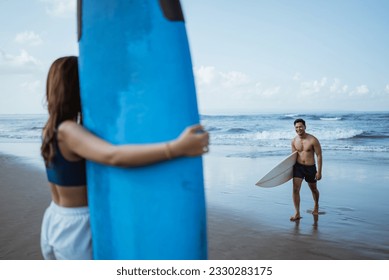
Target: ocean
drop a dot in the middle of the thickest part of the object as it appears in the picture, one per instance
(271, 134)
(253, 136)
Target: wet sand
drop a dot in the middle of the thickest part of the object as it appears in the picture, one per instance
(244, 222)
(24, 197)
(249, 222)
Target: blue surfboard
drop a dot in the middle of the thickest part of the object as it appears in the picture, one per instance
(137, 87)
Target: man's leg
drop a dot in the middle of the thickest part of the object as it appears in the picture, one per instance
(315, 195)
(296, 198)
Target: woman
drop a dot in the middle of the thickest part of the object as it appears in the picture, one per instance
(65, 146)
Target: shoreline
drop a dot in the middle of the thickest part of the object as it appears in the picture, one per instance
(241, 223)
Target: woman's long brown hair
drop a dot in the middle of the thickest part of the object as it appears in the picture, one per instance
(63, 100)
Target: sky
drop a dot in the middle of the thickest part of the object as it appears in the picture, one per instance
(249, 56)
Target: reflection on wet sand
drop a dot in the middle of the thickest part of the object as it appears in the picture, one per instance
(315, 225)
(315, 222)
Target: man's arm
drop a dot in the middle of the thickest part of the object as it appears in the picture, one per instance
(319, 157)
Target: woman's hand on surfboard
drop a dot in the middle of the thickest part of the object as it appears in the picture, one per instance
(193, 141)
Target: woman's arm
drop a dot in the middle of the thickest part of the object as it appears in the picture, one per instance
(84, 144)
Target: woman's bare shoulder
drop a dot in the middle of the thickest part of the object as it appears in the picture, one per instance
(69, 126)
(70, 129)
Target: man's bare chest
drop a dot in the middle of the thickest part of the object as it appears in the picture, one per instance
(303, 145)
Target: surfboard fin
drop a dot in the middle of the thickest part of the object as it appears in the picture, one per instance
(172, 9)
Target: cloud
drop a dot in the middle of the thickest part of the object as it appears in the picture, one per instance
(233, 79)
(296, 77)
(272, 91)
(28, 38)
(22, 63)
(311, 87)
(227, 91)
(360, 90)
(31, 86)
(205, 75)
(338, 87)
(60, 8)
(232, 84)
(267, 92)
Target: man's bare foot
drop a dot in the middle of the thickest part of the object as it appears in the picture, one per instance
(315, 210)
(296, 217)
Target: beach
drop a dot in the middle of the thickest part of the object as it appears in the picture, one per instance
(24, 197)
(244, 221)
(249, 222)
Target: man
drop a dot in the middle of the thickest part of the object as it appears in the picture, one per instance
(306, 146)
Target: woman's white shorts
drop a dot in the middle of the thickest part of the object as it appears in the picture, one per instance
(66, 233)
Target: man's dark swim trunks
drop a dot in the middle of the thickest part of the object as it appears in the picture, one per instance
(307, 172)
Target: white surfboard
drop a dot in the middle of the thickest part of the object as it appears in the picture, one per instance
(280, 174)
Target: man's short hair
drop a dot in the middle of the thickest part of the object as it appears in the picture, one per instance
(299, 120)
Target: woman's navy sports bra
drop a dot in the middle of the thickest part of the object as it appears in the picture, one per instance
(65, 173)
